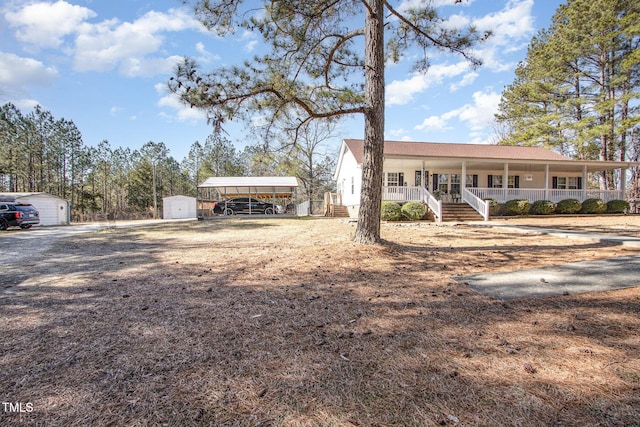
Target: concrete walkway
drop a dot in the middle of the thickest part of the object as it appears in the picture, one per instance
(627, 241)
(572, 278)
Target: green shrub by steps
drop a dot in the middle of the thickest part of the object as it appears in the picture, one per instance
(391, 211)
(413, 211)
(568, 206)
(517, 207)
(618, 206)
(542, 207)
(593, 206)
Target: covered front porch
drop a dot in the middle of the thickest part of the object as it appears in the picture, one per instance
(438, 181)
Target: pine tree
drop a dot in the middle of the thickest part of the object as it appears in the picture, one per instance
(317, 68)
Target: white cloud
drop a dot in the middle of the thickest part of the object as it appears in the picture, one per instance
(401, 92)
(477, 116)
(130, 47)
(433, 123)
(183, 113)
(511, 29)
(250, 41)
(127, 45)
(467, 80)
(17, 72)
(44, 25)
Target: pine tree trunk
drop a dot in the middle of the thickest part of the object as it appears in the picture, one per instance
(368, 230)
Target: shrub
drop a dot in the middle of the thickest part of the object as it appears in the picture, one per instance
(593, 206)
(618, 206)
(517, 207)
(542, 207)
(568, 206)
(391, 211)
(413, 211)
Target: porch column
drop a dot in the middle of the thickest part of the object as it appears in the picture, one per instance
(623, 182)
(584, 183)
(505, 181)
(463, 178)
(546, 181)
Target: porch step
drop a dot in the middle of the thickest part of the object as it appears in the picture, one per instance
(339, 211)
(460, 212)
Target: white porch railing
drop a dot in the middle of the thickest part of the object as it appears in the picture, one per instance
(502, 195)
(481, 206)
(434, 204)
(401, 194)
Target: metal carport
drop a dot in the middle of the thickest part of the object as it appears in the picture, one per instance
(259, 187)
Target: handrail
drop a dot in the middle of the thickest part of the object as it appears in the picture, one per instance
(434, 204)
(481, 206)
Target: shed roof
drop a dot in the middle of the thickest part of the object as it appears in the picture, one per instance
(11, 196)
(252, 184)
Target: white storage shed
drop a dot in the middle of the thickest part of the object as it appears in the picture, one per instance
(53, 209)
(179, 207)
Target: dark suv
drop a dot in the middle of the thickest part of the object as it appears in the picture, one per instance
(244, 205)
(21, 215)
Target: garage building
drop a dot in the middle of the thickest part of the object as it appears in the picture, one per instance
(53, 209)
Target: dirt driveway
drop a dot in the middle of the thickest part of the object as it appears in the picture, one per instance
(287, 322)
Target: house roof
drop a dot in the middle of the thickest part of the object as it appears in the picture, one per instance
(251, 184)
(466, 151)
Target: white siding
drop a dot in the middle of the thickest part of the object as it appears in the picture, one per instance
(52, 209)
(349, 180)
(179, 207)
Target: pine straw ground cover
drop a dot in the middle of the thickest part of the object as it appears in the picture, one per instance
(286, 322)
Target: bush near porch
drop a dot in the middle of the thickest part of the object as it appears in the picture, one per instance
(568, 206)
(412, 211)
(542, 207)
(618, 206)
(517, 207)
(390, 211)
(593, 206)
(563, 207)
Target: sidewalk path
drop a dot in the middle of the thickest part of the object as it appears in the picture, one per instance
(627, 241)
(571, 278)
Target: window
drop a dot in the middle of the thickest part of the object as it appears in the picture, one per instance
(495, 181)
(573, 183)
(418, 178)
(395, 179)
(567, 183)
(472, 181)
(455, 184)
(443, 183)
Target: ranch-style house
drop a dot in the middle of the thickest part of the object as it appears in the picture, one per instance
(467, 174)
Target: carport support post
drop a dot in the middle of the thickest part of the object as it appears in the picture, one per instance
(273, 198)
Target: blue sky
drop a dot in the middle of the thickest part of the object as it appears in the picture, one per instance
(105, 64)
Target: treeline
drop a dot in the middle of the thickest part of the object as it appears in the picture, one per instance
(39, 153)
(577, 91)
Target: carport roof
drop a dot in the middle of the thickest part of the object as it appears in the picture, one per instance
(252, 184)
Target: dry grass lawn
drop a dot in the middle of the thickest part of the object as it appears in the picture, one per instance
(286, 322)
